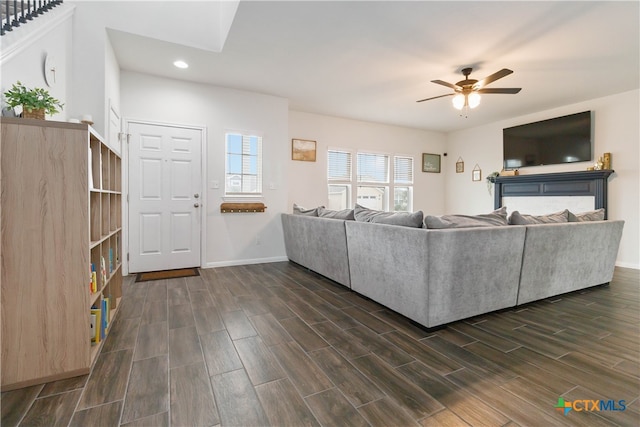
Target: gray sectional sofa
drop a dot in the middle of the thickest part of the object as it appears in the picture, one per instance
(437, 276)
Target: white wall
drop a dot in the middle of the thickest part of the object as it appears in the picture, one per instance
(308, 180)
(230, 238)
(617, 130)
(23, 58)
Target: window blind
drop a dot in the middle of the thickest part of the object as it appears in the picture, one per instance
(403, 170)
(373, 168)
(339, 165)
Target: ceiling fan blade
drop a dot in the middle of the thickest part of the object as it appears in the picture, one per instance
(447, 84)
(492, 78)
(436, 97)
(507, 90)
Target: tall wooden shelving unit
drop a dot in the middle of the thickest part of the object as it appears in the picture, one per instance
(61, 212)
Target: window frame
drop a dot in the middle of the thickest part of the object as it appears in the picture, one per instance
(244, 157)
(389, 185)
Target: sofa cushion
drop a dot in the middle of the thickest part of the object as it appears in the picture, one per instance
(495, 218)
(299, 210)
(597, 215)
(405, 219)
(346, 214)
(516, 218)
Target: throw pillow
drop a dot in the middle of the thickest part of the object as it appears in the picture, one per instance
(516, 218)
(495, 218)
(299, 210)
(346, 214)
(597, 215)
(405, 219)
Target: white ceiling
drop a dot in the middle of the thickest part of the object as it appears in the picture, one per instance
(373, 60)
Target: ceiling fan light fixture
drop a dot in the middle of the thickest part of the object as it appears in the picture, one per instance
(458, 101)
(474, 99)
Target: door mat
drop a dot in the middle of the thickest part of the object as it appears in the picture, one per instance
(167, 274)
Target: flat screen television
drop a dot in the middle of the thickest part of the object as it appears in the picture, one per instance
(565, 139)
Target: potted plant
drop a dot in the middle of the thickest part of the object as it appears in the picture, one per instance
(35, 102)
(491, 179)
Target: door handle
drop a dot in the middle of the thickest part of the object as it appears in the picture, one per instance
(196, 195)
(196, 205)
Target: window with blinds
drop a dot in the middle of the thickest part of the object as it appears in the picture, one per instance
(403, 184)
(371, 181)
(373, 168)
(339, 166)
(243, 173)
(339, 176)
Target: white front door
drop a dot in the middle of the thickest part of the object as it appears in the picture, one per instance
(165, 199)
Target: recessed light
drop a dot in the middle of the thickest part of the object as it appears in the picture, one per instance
(181, 64)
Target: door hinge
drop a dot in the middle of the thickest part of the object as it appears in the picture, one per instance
(127, 256)
(127, 198)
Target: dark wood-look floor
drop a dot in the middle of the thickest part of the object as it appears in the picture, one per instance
(275, 344)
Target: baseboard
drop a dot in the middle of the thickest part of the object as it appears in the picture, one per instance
(245, 262)
(628, 265)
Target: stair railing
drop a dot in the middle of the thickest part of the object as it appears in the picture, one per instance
(14, 13)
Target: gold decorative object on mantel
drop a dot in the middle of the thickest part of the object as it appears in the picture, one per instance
(242, 207)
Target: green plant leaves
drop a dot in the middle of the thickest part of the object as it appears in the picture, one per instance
(32, 99)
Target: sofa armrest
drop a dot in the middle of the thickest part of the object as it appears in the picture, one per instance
(319, 244)
(560, 258)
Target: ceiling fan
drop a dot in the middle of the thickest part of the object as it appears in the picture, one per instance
(467, 92)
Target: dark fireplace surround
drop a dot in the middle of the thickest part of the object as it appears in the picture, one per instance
(581, 183)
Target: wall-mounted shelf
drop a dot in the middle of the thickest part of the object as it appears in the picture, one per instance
(242, 207)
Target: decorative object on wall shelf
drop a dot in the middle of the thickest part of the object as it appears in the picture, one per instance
(242, 207)
(476, 173)
(599, 165)
(606, 159)
(35, 102)
(303, 150)
(431, 163)
(507, 172)
(460, 165)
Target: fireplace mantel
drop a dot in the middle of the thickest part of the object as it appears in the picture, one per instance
(581, 183)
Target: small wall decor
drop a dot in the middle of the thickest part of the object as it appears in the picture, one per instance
(431, 163)
(476, 173)
(460, 165)
(303, 150)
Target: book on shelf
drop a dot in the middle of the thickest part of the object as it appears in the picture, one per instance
(98, 321)
(103, 270)
(92, 326)
(105, 318)
(110, 260)
(94, 279)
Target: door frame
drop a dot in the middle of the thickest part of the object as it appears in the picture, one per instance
(203, 186)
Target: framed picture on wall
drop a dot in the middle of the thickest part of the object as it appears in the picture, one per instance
(431, 163)
(476, 174)
(303, 150)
